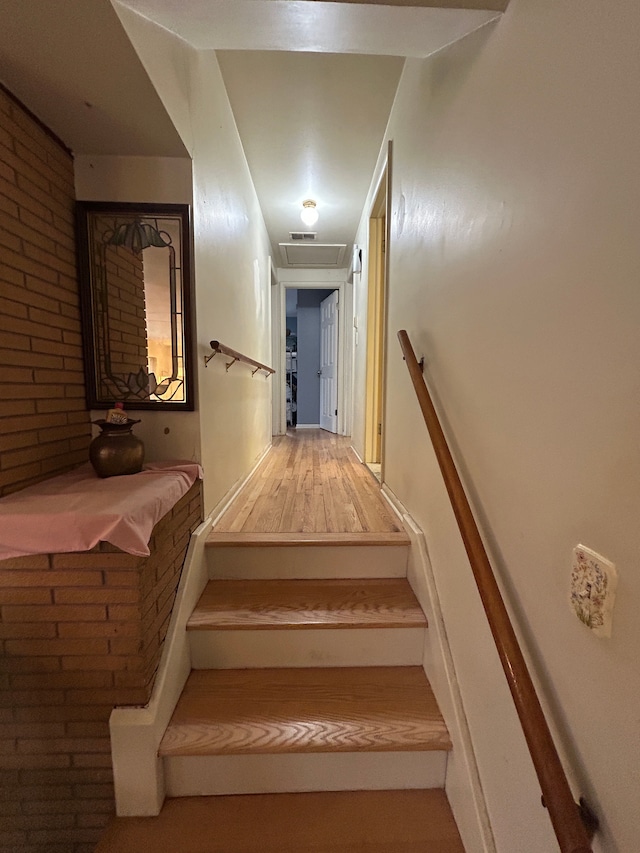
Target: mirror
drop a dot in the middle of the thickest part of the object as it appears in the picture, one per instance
(135, 288)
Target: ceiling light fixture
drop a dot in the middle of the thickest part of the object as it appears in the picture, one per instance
(309, 213)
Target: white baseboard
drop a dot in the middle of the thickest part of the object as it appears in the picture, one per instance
(306, 426)
(358, 457)
(136, 732)
(463, 785)
(223, 505)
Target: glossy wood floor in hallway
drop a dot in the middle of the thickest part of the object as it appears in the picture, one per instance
(310, 482)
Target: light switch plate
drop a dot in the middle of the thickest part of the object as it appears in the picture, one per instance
(593, 590)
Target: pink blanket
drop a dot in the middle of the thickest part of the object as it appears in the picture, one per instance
(75, 511)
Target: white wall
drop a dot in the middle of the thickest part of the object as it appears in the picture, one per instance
(166, 60)
(233, 288)
(514, 266)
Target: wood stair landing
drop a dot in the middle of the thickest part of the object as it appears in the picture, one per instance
(265, 711)
(333, 822)
(310, 481)
(306, 604)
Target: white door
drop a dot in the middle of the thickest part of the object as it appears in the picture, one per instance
(329, 363)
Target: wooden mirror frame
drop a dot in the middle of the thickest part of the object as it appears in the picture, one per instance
(114, 301)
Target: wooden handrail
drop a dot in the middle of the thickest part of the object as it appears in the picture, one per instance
(217, 347)
(565, 814)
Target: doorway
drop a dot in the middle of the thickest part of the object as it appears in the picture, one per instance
(376, 327)
(291, 286)
(311, 376)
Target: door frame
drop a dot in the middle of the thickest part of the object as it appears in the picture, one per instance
(277, 390)
(329, 359)
(289, 282)
(379, 231)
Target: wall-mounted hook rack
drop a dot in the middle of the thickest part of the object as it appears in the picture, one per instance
(217, 347)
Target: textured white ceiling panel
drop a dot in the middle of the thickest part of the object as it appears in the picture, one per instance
(314, 255)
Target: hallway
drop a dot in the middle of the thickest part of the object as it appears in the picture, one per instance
(512, 179)
(310, 482)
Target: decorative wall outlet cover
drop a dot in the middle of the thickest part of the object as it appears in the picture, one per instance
(593, 590)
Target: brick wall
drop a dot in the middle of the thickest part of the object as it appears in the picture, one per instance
(79, 634)
(44, 424)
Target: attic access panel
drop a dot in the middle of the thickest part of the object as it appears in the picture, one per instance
(328, 255)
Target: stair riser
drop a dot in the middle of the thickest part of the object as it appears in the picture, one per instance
(240, 649)
(308, 561)
(256, 774)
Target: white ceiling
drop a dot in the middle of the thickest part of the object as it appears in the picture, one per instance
(401, 29)
(312, 125)
(311, 84)
(72, 64)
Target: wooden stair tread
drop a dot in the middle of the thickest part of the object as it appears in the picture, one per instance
(329, 822)
(255, 604)
(220, 538)
(262, 711)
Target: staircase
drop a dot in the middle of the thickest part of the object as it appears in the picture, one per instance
(305, 678)
(306, 691)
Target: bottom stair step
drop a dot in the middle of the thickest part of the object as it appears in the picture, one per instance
(285, 730)
(348, 822)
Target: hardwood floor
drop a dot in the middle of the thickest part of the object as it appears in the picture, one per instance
(310, 482)
(307, 604)
(344, 709)
(333, 822)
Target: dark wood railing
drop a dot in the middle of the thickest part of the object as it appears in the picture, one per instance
(217, 347)
(566, 816)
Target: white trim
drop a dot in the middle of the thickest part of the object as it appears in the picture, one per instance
(314, 647)
(392, 501)
(280, 562)
(357, 455)
(307, 426)
(223, 505)
(295, 279)
(463, 784)
(276, 386)
(212, 775)
(136, 733)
